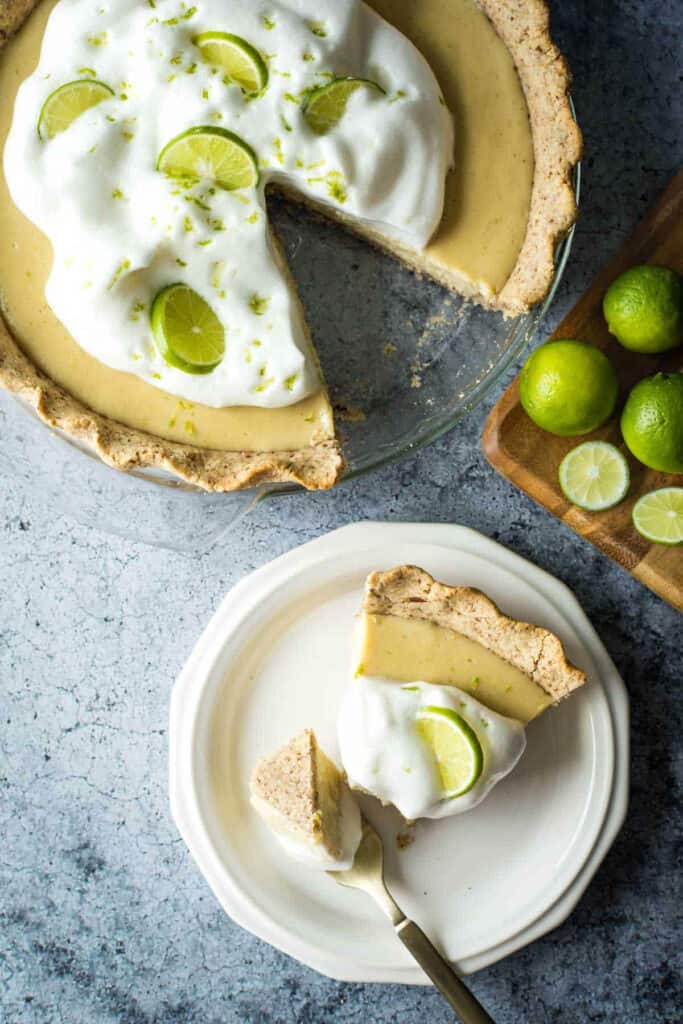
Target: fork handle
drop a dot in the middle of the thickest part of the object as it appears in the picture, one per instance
(442, 974)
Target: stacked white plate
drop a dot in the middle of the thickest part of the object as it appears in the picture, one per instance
(275, 658)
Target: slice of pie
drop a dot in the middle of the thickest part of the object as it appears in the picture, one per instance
(413, 627)
(507, 202)
(303, 798)
(443, 685)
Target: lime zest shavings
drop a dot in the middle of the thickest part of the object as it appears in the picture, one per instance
(258, 304)
(123, 266)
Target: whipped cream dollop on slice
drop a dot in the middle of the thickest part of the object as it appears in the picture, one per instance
(301, 847)
(383, 753)
(121, 230)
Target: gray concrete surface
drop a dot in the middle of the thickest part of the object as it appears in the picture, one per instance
(103, 917)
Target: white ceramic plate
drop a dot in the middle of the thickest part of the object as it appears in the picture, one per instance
(274, 659)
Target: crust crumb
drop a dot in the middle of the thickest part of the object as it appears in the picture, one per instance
(404, 839)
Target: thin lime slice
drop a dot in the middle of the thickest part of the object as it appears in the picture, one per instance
(68, 102)
(658, 516)
(241, 62)
(210, 153)
(324, 107)
(187, 331)
(456, 748)
(595, 476)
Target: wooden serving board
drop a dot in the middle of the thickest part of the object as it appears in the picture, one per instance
(530, 457)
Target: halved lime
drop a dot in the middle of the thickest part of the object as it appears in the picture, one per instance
(188, 333)
(658, 516)
(68, 102)
(595, 476)
(456, 748)
(324, 107)
(241, 62)
(210, 153)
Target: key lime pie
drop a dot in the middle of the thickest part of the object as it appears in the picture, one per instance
(443, 686)
(148, 310)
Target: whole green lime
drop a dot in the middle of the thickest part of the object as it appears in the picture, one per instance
(644, 309)
(652, 422)
(568, 387)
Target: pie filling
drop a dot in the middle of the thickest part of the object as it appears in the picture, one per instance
(409, 649)
(488, 193)
(484, 221)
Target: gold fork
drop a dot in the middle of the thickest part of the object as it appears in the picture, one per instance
(367, 874)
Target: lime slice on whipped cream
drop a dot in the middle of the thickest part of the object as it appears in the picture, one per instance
(241, 62)
(658, 516)
(210, 153)
(595, 476)
(188, 333)
(68, 102)
(324, 107)
(456, 748)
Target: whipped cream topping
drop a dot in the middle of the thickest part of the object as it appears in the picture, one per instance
(301, 847)
(383, 753)
(121, 231)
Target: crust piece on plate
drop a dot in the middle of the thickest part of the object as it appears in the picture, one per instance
(411, 593)
(304, 786)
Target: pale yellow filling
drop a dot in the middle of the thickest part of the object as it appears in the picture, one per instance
(482, 231)
(488, 193)
(415, 649)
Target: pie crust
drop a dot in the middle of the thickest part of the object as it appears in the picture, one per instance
(523, 26)
(411, 593)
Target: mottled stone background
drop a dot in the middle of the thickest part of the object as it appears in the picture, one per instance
(103, 917)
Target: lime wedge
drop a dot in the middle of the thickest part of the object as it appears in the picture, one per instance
(595, 476)
(65, 104)
(659, 516)
(456, 748)
(324, 107)
(210, 153)
(242, 63)
(188, 333)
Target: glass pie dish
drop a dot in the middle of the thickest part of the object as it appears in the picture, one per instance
(404, 360)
